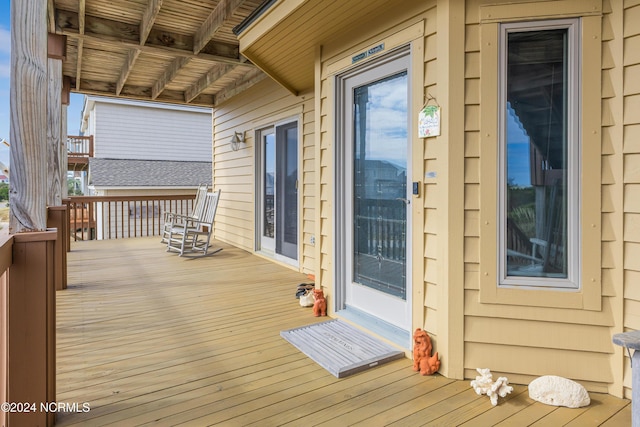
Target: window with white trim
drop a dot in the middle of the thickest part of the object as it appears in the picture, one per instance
(539, 154)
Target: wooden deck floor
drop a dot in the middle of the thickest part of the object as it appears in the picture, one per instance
(148, 338)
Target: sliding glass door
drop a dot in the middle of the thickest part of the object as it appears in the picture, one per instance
(277, 155)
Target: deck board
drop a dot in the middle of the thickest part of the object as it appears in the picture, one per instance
(404, 411)
(150, 338)
(519, 400)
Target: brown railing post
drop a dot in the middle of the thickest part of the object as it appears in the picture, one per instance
(90, 145)
(31, 327)
(6, 259)
(90, 220)
(57, 219)
(67, 221)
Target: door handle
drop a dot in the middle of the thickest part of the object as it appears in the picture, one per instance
(406, 201)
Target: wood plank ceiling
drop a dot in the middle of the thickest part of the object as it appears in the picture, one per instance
(176, 51)
(283, 40)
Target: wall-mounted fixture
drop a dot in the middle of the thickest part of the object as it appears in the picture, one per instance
(236, 140)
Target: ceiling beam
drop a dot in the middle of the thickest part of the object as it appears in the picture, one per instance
(81, 28)
(81, 16)
(132, 56)
(93, 87)
(212, 24)
(223, 11)
(120, 34)
(206, 80)
(51, 16)
(251, 78)
(148, 19)
(79, 63)
(169, 74)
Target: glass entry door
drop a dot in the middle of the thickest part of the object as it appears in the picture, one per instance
(287, 190)
(376, 149)
(278, 190)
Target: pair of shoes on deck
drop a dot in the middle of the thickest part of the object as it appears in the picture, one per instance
(303, 288)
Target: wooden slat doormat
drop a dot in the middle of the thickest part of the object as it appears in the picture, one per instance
(340, 348)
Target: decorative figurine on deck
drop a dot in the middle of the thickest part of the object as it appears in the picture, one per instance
(484, 384)
(320, 304)
(422, 359)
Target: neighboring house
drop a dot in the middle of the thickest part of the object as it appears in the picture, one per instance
(4, 179)
(150, 134)
(513, 236)
(143, 148)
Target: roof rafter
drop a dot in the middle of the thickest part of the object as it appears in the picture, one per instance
(81, 29)
(79, 63)
(223, 11)
(51, 19)
(126, 69)
(143, 93)
(251, 78)
(169, 74)
(189, 62)
(205, 81)
(121, 34)
(148, 19)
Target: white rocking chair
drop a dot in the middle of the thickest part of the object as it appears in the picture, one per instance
(173, 218)
(193, 235)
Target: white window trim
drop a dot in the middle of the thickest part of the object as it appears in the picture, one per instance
(574, 256)
(589, 296)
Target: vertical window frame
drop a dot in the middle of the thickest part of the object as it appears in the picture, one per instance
(483, 261)
(573, 141)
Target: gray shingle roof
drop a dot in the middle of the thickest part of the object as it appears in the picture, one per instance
(148, 173)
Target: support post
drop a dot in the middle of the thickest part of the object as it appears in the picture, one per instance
(57, 219)
(635, 393)
(55, 142)
(449, 148)
(31, 328)
(28, 94)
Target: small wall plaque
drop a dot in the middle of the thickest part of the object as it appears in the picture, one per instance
(429, 121)
(367, 53)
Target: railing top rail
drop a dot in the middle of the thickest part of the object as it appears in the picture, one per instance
(6, 253)
(121, 216)
(78, 199)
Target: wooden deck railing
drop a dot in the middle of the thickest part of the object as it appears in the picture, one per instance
(80, 146)
(79, 150)
(27, 327)
(119, 217)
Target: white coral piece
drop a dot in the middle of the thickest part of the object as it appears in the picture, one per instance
(483, 384)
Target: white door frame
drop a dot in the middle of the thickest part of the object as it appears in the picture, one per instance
(263, 244)
(381, 305)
